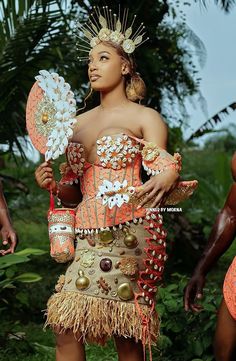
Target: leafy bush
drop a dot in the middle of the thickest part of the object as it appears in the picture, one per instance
(185, 336)
(11, 276)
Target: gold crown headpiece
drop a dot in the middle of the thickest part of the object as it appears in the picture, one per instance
(102, 25)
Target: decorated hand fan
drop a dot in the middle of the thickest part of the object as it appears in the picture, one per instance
(50, 114)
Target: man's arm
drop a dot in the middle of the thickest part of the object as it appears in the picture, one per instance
(8, 235)
(221, 237)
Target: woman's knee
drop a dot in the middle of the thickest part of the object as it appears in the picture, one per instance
(128, 348)
(65, 338)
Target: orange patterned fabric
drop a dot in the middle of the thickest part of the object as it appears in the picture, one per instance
(38, 138)
(118, 160)
(118, 164)
(229, 289)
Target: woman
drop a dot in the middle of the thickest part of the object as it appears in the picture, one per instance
(109, 288)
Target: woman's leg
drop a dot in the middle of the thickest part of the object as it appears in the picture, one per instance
(68, 348)
(225, 336)
(128, 349)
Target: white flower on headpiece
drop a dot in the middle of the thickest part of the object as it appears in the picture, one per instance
(116, 37)
(128, 46)
(104, 34)
(94, 41)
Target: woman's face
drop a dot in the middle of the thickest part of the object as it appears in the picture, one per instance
(105, 68)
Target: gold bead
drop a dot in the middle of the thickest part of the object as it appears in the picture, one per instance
(82, 282)
(44, 118)
(130, 241)
(125, 292)
(106, 237)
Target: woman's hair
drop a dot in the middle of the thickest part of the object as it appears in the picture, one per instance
(135, 87)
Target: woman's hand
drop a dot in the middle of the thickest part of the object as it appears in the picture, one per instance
(44, 177)
(157, 188)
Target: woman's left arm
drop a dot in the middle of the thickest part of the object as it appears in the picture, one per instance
(163, 167)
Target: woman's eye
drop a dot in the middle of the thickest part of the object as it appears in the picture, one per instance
(103, 57)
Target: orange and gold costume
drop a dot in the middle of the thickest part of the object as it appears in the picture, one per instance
(109, 288)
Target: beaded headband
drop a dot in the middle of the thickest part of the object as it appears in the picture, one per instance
(102, 25)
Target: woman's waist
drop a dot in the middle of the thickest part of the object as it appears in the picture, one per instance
(107, 186)
(94, 214)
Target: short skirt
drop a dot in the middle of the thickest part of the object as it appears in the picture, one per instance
(109, 288)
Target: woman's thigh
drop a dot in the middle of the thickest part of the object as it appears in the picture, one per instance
(68, 348)
(128, 349)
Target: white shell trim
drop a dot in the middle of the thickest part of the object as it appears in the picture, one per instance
(58, 92)
(152, 171)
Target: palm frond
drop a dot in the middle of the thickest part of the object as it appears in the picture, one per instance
(28, 43)
(198, 45)
(226, 5)
(209, 125)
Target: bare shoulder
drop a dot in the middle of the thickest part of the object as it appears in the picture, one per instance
(154, 128)
(151, 117)
(148, 116)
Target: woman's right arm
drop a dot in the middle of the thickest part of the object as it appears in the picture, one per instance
(70, 195)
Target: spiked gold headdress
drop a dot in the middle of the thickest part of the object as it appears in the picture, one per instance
(102, 25)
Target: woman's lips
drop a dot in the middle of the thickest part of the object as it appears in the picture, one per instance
(94, 77)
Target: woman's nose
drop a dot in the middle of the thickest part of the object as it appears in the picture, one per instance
(92, 66)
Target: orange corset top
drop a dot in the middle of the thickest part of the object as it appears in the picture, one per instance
(105, 182)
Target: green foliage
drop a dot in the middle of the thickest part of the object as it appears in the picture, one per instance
(185, 336)
(26, 342)
(29, 342)
(32, 37)
(11, 276)
(212, 170)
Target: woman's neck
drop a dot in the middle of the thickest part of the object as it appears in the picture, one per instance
(113, 99)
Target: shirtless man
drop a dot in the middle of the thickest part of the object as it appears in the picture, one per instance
(7, 232)
(220, 239)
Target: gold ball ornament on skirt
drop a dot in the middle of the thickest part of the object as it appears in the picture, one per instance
(82, 282)
(130, 240)
(125, 292)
